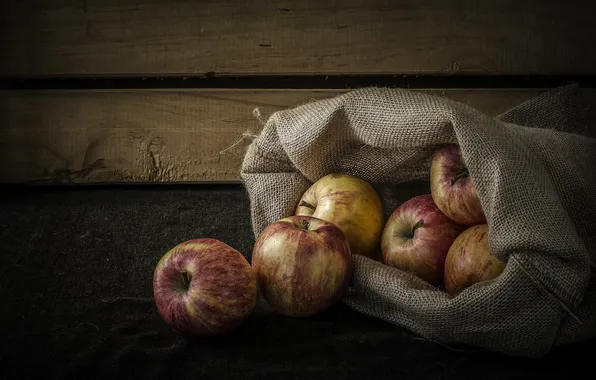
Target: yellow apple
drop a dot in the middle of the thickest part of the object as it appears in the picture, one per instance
(350, 203)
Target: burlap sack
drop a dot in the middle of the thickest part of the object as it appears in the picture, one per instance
(535, 171)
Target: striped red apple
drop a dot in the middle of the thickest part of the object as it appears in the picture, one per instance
(204, 287)
(470, 260)
(452, 188)
(303, 265)
(416, 238)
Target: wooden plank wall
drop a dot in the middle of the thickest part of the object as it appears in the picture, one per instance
(181, 37)
(169, 134)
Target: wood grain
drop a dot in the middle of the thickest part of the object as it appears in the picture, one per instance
(156, 136)
(142, 136)
(181, 37)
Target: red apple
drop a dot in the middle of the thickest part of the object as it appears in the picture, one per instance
(470, 260)
(417, 237)
(204, 287)
(303, 265)
(452, 189)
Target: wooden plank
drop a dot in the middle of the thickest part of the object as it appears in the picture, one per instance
(156, 136)
(89, 136)
(181, 37)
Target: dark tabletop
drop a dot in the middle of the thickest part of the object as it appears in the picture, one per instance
(75, 282)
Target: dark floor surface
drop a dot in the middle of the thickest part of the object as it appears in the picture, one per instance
(76, 296)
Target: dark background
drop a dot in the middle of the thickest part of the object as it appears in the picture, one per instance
(77, 261)
(75, 283)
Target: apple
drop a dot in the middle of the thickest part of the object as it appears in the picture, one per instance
(303, 265)
(416, 238)
(452, 189)
(469, 260)
(204, 287)
(350, 203)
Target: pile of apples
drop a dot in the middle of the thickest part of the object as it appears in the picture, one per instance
(442, 237)
(302, 264)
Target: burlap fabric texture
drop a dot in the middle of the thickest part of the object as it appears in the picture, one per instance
(534, 168)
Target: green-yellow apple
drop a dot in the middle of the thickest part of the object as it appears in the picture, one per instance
(469, 260)
(350, 203)
(452, 188)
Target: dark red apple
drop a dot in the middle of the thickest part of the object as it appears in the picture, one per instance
(470, 260)
(452, 189)
(417, 237)
(303, 265)
(204, 287)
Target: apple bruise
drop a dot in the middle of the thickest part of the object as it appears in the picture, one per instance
(452, 188)
(295, 272)
(209, 302)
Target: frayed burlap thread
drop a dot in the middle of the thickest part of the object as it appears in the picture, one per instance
(533, 167)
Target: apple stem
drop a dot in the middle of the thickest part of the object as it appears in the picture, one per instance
(417, 225)
(305, 224)
(461, 174)
(185, 280)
